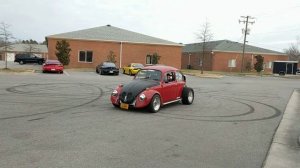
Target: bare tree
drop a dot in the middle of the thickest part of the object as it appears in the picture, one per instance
(5, 36)
(293, 51)
(31, 48)
(204, 36)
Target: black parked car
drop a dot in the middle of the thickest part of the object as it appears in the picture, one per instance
(298, 71)
(107, 68)
(28, 58)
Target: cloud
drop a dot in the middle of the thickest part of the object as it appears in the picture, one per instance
(174, 20)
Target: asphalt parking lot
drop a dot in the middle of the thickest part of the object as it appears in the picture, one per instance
(67, 120)
(15, 65)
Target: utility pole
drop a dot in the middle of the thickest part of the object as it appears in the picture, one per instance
(245, 35)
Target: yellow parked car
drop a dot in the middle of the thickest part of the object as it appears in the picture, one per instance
(132, 68)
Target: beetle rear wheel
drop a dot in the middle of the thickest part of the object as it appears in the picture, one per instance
(155, 104)
(187, 96)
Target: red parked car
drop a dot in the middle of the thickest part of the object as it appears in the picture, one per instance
(53, 66)
(153, 87)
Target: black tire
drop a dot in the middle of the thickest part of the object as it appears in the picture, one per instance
(97, 71)
(155, 104)
(44, 71)
(130, 73)
(40, 62)
(21, 62)
(123, 71)
(116, 106)
(101, 73)
(61, 72)
(187, 96)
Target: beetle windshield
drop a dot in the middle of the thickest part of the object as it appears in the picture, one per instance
(148, 74)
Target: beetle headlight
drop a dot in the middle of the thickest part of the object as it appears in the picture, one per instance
(114, 93)
(142, 96)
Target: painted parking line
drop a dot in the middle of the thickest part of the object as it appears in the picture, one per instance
(66, 73)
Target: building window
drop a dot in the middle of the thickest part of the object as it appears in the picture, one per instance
(149, 59)
(269, 65)
(232, 63)
(85, 56)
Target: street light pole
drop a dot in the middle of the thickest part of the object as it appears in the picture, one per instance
(189, 61)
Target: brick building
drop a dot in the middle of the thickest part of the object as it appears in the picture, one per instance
(90, 47)
(225, 55)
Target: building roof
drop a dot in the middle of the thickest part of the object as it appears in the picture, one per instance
(228, 46)
(111, 33)
(38, 48)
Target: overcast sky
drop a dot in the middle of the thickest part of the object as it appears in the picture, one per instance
(277, 22)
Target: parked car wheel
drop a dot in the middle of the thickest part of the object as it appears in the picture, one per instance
(155, 104)
(21, 62)
(187, 95)
(97, 71)
(40, 62)
(101, 73)
(130, 73)
(123, 71)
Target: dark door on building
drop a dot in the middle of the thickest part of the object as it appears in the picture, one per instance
(284, 67)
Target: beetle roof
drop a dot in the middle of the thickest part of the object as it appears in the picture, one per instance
(161, 68)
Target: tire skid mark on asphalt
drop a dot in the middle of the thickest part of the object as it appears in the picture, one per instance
(199, 90)
(34, 119)
(251, 110)
(11, 89)
(277, 112)
(14, 90)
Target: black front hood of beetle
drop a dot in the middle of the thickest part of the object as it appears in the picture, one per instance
(131, 90)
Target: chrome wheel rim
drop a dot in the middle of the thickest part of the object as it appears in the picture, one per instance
(156, 103)
(191, 96)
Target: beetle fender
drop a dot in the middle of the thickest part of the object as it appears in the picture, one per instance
(149, 93)
(115, 98)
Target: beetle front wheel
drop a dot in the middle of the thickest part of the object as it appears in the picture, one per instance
(155, 104)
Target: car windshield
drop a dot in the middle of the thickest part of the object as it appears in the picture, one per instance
(52, 63)
(137, 66)
(149, 74)
(109, 64)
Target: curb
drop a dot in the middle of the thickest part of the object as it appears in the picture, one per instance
(284, 149)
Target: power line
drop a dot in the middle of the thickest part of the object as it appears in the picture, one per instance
(275, 12)
(280, 31)
(245, 20)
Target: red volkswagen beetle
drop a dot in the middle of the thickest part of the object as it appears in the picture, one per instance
(53, 66)
(153, 87)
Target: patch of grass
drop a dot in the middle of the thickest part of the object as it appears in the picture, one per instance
(206, 74)
(219, 73)
(18, 70)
